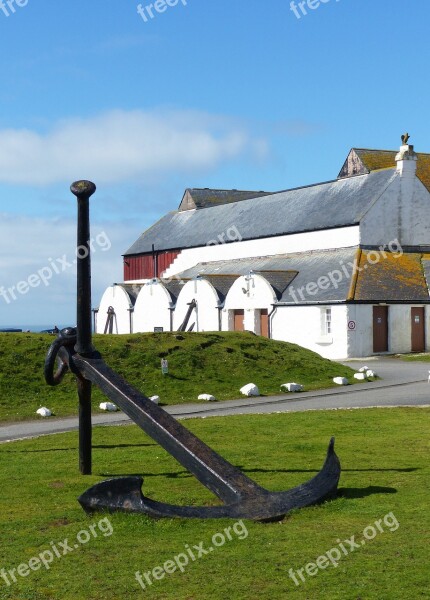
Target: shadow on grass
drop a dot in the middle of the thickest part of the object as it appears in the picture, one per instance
(370, 490)
(403, 470)
(104, 446)
(144, 475)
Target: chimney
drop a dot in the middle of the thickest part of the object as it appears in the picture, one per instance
(406, 159)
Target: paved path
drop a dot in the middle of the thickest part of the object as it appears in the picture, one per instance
(403, 384)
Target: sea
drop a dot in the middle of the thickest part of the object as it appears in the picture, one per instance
(34, 328)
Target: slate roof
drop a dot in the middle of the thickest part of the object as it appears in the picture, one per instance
(332, 276)
(361, 161)
(339, 203)
(205, 197)
(132, 290)
(291, 272)
(174, 287)
(222, 284)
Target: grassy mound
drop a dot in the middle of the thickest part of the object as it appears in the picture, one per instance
(215, 363)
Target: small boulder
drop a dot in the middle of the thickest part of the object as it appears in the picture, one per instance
(370, 373)
(108, 406)
(291, 387)
(360, 376)
(363, 369)
(44, 412)
(340, 380)
(250, 390)
(155, 399)
(207, 397)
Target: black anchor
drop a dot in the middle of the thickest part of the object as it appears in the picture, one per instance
(241, 496)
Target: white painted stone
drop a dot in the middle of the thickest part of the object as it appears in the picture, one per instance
(108, 406)
(291, 387)
(44, 412)
(370, 373)
(155, 399)
(207, 397)
(340, 380)
(360, 376)
(363, 369)
(250, 390)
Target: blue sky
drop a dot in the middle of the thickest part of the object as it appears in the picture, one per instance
(209, 93)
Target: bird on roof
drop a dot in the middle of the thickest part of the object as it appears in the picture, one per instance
(405, 138)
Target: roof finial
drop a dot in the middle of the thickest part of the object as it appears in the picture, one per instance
(405, 138)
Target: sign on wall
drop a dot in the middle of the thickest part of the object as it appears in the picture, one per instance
(352, 325)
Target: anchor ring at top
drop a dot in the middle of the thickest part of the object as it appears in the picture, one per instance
(67, 339)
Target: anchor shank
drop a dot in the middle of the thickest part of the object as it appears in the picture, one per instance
(213, 471)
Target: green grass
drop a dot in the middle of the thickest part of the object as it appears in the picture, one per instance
(421, 357)
(214, 363)
(384, 456)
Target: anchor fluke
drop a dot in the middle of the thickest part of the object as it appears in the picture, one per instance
(123, 494)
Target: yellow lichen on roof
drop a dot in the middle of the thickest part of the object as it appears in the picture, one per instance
(385, 159)
(390, 276)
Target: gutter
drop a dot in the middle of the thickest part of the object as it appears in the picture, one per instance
(354, 279)
(270, 316)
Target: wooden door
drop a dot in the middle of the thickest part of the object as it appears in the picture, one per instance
(380, 329)
(418, 343)
(239, 316)
(264, 322)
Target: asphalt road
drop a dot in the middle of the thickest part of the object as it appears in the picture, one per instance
(402, 384)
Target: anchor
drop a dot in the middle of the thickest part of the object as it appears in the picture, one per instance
(241, 496)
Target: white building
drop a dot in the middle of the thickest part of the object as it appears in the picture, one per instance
(340, 267)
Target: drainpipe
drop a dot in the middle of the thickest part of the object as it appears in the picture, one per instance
(130, 316)
(219, 317)
(171, 308)
(271, 313)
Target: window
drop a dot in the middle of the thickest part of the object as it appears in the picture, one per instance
(326, 328)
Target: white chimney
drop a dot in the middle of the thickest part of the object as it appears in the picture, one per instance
(406, 160)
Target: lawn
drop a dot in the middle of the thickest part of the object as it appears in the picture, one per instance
(421, 357)
(384, 456)
(215, 363)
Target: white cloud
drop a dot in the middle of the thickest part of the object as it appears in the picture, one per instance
(119, 145)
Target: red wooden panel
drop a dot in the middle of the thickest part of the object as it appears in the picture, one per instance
(165, 259)
(142, 266)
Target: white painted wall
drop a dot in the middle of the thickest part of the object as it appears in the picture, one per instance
(118, 298)
(152, 308)
(205, 317)
(300, 242)
(360, 341)
(402, 213)
(303, 325)
(251, 293)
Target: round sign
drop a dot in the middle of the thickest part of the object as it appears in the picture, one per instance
(352, 325)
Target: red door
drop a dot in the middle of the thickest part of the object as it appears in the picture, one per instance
(264, 322)
(239, 316)
(418, 343)
(380, 329)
